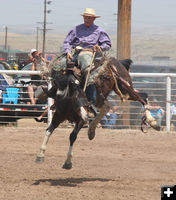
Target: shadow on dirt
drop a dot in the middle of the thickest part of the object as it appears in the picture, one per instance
(69, 182)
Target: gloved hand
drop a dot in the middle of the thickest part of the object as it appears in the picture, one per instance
(97, 48)
(69, 56)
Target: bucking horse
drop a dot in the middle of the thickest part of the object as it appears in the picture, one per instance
(71, 102)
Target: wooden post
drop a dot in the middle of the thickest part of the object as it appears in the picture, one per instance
(44, 29)
(37, 38)
(5, 46)
(124, 29)
(124, 43)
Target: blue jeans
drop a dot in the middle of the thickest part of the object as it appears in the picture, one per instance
(84, 60)
(109, 121)
(91, 93)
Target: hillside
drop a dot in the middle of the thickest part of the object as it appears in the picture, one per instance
(144, 45)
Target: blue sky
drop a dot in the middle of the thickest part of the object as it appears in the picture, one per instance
(23, 15)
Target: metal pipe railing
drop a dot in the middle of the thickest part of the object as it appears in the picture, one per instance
(168, 77)
(29, 72)
(168, 102)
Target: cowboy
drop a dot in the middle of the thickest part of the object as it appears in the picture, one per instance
(84, 39)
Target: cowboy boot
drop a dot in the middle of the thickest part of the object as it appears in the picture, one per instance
(51, 92)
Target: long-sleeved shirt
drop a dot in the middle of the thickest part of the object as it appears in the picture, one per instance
(86, 37)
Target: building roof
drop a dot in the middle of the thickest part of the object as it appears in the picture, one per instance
(12, 51)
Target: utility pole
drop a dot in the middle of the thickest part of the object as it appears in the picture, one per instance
(5, 46)
(124, 29)
(37, 34)
(124, 44)
(44, 28)
(44, 25)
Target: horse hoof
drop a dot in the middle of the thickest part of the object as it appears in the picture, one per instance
(155, 126)
(67, 166)
(39, 159)
(91, 134)
(158, 128)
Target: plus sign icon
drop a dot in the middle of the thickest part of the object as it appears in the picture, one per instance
(168, 192)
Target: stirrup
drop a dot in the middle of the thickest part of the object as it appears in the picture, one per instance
(91, 115)
(51, 92)
(93, 111)
(93, 108)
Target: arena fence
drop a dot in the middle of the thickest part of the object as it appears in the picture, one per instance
(159, 87)
(11, 111)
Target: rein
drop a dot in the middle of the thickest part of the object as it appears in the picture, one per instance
(116, 85)
(88, 74)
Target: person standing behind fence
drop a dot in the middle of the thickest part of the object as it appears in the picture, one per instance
(110, 119)
(156, 111)
(37, 62)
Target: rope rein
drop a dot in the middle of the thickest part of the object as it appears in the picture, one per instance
(116, 85)
(91, 65)
(88, 74)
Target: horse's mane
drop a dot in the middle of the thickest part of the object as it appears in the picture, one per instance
(120, 64)
(126, 63)
(61, 80)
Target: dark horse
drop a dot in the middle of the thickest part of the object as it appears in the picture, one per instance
(71, 103)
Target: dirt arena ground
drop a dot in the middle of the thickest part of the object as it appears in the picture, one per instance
(116, 165)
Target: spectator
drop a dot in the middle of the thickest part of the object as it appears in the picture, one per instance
(110, 119)
(173, 110)
(42, 117)
(37, 62)
(173, 114)
(156, 111)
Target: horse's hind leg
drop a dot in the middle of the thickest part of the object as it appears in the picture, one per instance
(54, 124)
(73, 136)
(92, 126)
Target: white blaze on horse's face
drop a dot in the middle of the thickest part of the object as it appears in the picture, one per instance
(76, 82)
(60, 92)
(83, 113)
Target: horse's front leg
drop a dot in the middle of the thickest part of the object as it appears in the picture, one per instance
(56, 120)
(92, 126)
(73, 136)
(40, 157)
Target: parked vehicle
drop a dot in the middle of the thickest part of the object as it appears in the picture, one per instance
(22, 63)
(153, 86)
(4, 66)
(24, 78)
(13, 64)
(10, 112)
(22, 81)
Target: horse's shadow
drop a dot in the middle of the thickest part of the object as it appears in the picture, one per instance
(69, 182)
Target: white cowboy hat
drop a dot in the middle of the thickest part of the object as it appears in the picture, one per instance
(89, 12)
(33, 50)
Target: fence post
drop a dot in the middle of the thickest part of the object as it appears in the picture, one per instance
(49, 104)
(168, 100)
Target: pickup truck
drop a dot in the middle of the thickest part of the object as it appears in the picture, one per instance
(10, 112)
(13, 112)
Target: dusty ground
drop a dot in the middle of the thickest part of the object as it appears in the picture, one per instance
(116, 165)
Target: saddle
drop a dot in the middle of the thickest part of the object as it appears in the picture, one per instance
(74, 69)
